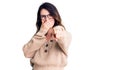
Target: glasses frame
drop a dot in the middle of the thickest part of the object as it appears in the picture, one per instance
(43, 17)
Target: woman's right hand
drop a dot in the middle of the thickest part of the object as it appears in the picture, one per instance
(47, 25)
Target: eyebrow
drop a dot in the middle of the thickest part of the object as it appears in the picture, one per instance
(46, 15)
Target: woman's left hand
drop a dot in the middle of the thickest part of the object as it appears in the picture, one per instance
(59, 32)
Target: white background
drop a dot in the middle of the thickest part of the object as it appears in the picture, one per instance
(94, 25)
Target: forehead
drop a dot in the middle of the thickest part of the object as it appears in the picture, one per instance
(44, 12)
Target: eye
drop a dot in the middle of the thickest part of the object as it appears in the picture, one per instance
(43, 16)
(46, 16)
(49, 16)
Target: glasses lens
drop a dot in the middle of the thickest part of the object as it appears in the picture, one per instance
(43, 16)
(49, 16)
(46, 16)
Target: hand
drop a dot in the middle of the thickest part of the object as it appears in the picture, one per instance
(47, 25)
(59, 32)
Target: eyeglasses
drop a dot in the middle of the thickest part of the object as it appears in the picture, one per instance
(43, 17)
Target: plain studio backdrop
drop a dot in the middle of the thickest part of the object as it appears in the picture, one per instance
(94, 25)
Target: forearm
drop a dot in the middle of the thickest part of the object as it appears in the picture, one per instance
(63, 38)
(64, 42)
(34, 44)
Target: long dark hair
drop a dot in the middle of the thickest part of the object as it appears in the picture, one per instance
(54, 13)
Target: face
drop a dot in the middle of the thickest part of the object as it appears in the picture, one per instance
(46, 18)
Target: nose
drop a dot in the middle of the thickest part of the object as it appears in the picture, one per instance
(46, 18)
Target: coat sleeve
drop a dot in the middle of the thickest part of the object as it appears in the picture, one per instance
(34, 44)
(65, 40)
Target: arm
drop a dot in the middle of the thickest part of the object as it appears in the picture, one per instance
(34, 44)
(63, 38)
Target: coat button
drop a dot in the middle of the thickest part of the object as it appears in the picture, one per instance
(45, 50)
(46, 45)
(51, 40)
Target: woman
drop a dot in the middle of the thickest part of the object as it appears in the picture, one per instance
(49, 45)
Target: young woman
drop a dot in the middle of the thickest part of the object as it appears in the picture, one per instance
(49, 45)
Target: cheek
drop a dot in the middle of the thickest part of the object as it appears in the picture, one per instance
(42, 21)
(52, 22)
